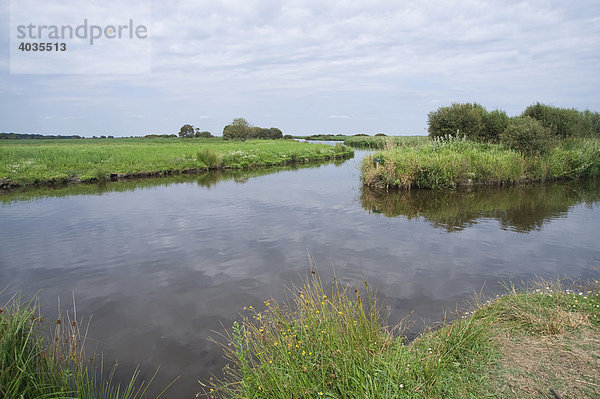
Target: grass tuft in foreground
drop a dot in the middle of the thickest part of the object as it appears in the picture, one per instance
(330, 341)
(35, 363)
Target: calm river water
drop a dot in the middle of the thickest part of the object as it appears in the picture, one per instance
(159, 264)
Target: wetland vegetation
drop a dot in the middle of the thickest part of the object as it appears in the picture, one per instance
(50, 358)
(470, 145)
(331, 341)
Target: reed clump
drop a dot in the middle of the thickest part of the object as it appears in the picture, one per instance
(47, 358)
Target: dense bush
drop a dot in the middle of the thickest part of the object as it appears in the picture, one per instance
(240, 129)
(527, 135)
(476, 123)
(204, 134)
(272, 133)
(458, 119)
(494, 124)
(565, 122)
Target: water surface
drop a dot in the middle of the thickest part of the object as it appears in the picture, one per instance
(162, 263)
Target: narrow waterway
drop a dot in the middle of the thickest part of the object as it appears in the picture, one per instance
(160, 264)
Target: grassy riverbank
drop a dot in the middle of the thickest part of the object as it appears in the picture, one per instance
(446, 163)
(48, 359)
(331, 342)
(40, 162)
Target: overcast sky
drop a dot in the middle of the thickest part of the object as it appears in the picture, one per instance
(338, 66)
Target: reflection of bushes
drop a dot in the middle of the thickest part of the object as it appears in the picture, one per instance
(520, 208)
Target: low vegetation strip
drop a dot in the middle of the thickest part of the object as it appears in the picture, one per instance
(40, 162)
(451, 162)
(381, 142)
(331, 342)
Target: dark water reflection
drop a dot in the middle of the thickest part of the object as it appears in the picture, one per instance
(161, 264)
(518, 208)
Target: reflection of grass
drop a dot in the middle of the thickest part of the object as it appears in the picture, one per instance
(522, 208)
(31, 162)
(330, 342)
(208, 179)
(455, 162)
(52, 364)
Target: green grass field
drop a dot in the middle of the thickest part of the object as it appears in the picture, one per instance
(455, 162)
(38, 162)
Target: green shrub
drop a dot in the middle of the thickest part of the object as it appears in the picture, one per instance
(527, 135)
(205, 134)
(458, 119)
(565, 122)
(495, 123)
(240, 129)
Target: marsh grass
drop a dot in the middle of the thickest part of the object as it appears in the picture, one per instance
(40, 361)
(330, 341)
(39, 162)
(209, 158)
(452, 162)
(384, 142)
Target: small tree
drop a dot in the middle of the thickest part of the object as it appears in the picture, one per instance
(239, 129)
(186, 131)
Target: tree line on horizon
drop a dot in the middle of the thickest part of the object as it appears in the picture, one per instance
(32, 136)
